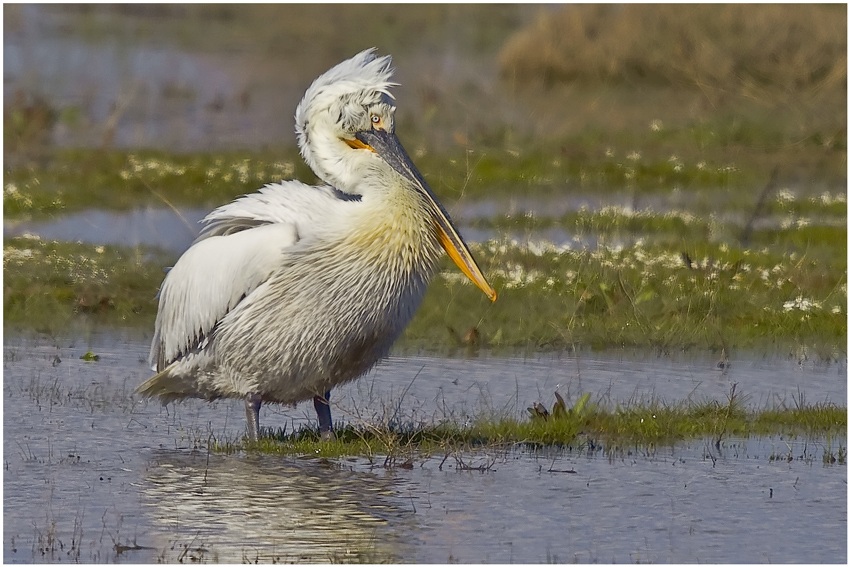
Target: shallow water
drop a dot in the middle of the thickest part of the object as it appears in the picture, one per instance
(168, 230)
(174, 231)
(148, 226)
(93, 475)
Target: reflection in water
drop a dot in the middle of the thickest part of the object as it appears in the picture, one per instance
(264, 508)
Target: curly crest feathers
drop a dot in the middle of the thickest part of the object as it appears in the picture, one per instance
(365, 75)
(335, 107)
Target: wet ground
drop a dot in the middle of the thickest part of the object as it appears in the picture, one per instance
(93, 475)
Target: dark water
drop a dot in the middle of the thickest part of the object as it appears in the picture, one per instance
(93, 475)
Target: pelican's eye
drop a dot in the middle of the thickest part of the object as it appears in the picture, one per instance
(376, 120)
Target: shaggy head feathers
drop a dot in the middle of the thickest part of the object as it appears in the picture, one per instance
(337, 102)
(364, 76)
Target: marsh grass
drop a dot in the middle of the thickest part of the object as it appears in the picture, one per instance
(710, 296)
(72, 180)
(702, 295)
(586, 426)
(556, 170)
(75, 179)
(49, 286)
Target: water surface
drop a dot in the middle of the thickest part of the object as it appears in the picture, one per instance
(94, 475)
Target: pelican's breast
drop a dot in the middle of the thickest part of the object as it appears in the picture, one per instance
(339, 301)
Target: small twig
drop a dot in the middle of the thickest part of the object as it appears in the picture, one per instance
(551, 469)
(404, 393)
(570, 471)
(728, 413)
(207, 466)
(768, 189)
(118, 111)
(461, 466)
(193, 229)
(186, 549)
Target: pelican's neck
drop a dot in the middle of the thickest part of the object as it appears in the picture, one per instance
(395, 228)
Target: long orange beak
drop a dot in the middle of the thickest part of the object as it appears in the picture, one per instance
(458, 251)
(386, 145)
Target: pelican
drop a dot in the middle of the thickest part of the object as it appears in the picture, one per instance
(295, 289)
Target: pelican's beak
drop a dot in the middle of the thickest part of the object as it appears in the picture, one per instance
(386, 145)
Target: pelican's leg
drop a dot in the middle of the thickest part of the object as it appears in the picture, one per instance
(252, 412)
(323, 410)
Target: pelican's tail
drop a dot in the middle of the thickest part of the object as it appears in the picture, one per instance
(168, 386)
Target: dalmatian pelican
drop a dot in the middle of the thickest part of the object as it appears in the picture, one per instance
(295, 289)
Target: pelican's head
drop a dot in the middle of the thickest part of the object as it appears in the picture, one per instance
(338, 104)
(346, 131)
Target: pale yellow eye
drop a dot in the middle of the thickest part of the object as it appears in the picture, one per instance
(376, 120)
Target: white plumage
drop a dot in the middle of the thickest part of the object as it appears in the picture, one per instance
(295, 289)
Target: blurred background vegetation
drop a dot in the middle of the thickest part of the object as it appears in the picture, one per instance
(756, 86)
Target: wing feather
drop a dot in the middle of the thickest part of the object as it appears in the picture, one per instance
(291, 202)
(209, 280)
(240, 246)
